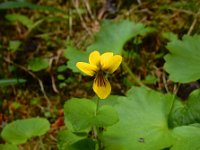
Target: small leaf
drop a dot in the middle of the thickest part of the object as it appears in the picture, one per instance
(80, 114)
(8, 147)
(14, 45)
(21, 18)
(183, 61)
(38, 64)
(18, 132)
(60, 77)
(106, 116)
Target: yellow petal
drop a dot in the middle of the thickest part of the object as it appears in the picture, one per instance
(114, 64)
(109, 62)
(101, 87)
(86, 68)
(94, 58)
(106, 60)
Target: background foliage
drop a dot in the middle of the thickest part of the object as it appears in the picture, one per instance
(40, 42)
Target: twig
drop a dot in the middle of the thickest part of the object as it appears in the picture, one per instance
(193, 23)
(165, 83)
(87, 5)
(75, 3)
(51, 74)
(34, 76)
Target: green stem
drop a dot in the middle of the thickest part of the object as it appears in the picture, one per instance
(135, 78)
(96, 130)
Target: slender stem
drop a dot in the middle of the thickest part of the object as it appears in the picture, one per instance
(135, 78)
(96, 130)
(97, 108)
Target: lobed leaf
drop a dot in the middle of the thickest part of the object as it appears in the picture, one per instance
(143, 121)
(183, 61)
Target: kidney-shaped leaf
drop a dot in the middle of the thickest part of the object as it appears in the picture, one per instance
(19, 131)
(143, 123)
(80, 114)
(183, 61)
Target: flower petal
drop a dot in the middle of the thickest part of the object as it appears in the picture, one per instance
(109, 62)
(94, 58)
(106, 60)
(86, 68)
(114, 64)
(101, 87)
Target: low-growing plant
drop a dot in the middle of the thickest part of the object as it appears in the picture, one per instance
(143, 119)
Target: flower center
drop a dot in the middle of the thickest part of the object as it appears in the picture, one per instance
(100, 80)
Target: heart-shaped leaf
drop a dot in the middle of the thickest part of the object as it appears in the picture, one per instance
(81, 114)
(19, 131)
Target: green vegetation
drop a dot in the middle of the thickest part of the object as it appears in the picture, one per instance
(47, 103)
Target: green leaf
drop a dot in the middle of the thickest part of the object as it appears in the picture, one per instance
(183, 61)
(66, 138)
(143, 123)
(170, 36)
(106, 116)
(38, 64)
(6, 82)
(24, 4)
(8, 147)
(21, 18)
(85, 144)
(113, 35)
(18, 132)
(75, 56)
(80, 114)
(187, 138)
(14, 45)
(186, 113)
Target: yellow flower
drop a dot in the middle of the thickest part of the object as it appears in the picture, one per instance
(98, 65)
